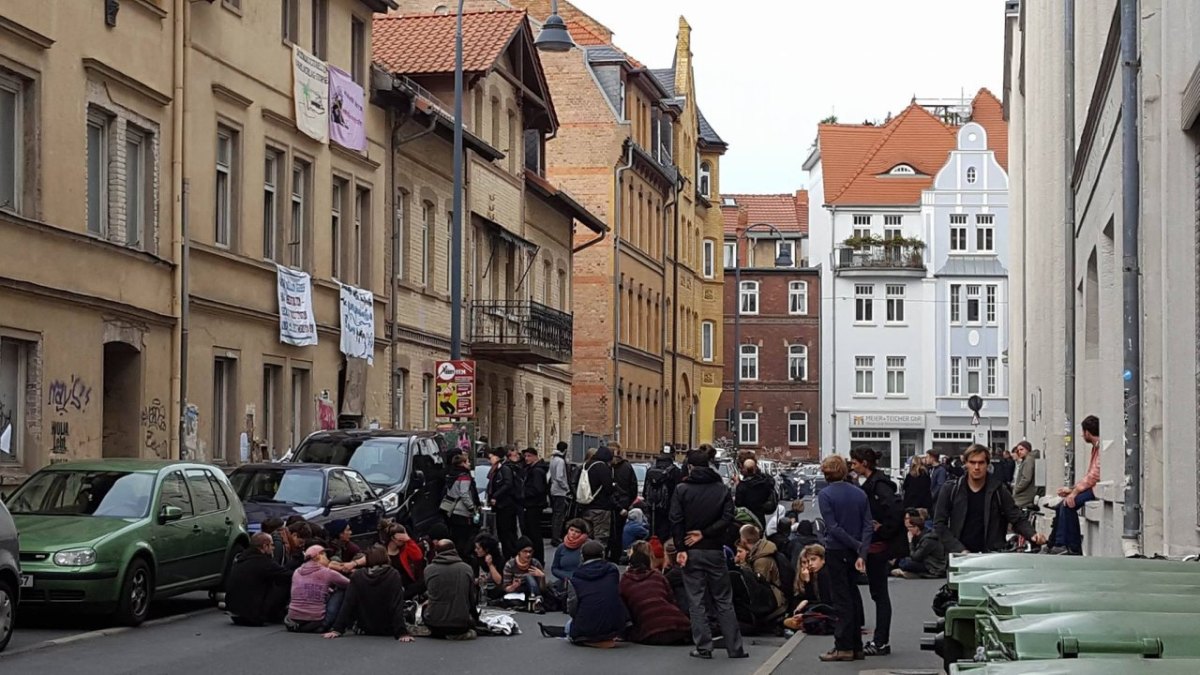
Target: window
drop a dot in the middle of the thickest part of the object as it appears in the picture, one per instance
(862, 220)
(972, 303)
(360, 244)
(985, 234)
(320, 29)
(290, 28)
(14, 384)
(748, 303)
(12, 140)
(139, 189)
(301, 405)
(971, 175)
(225, 185)
(991, 376)
(895, 303)
(955, 311)
(864, 375)
(958, 232)
(496, 122)
(427, 402)
(272, 393)
(202, 492)
(401, 216)
(891, 221)
(990, 304)
(903, 170)
(271, 180)
(710, 254)
(895, 376)
(955, 375)
(797, 428)
(706, 341)
(358, 51)
(426, 241)
(890, 233)
(798, 363)
(300, 172)
(400, 391)
(513, 151)
(224, 393)
(174, 492)
(862, 233)
(730, 254)
(339, 488)
(798, 297)
(335, 227)
(864, 303)
(97, 172)
(748, 428)
(748, 364)
(449, 231)
(973, 363)
(621, 101)
(705, 179)
(788, 247)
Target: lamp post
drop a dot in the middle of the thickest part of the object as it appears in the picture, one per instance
(783, 259)
(553, 38)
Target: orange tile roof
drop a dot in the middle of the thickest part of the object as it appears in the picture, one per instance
(418, 44)
(583, 36)
(788, 212)
(729, 216)
(988, 112)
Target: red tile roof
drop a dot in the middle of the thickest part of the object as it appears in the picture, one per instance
(418, 44)
(583, 36)
(988, 112)
(788, 212)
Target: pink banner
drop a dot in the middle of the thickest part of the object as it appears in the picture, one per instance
(346, 103)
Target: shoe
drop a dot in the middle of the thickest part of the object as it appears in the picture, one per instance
(701, 653)
(872, 649)
(793, 623)
(837, 655)
(469, 635)
(1057, 550)
(740, 655)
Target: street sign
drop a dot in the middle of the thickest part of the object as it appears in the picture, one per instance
(455, 388)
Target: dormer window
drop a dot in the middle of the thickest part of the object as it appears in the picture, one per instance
(705, 179)
(621, 101)
(902, 170)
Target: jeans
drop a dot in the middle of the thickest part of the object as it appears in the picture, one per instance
(600, 520)
(877, 581)
(847, 602)
(615, 549)
(706, 572)
(558, 522)
(912, 567)
(333, 605)
(533, 588)
(1069, 534)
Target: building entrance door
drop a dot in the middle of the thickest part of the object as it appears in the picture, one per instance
(121, 401)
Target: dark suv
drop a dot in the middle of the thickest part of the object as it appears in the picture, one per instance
(406, 468)
(10, 576)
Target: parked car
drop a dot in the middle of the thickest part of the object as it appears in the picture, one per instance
(113, 535)
(10, 576)
(640, 470)
(406, 468)
(320, 493)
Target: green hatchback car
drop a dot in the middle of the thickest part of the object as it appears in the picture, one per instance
(111, 536)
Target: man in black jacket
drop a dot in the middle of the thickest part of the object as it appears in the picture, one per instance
(598, 511)
(756, 493)
(256, 592)
(534, 503)
(701, 519)
(625, 491)
(659, 487)
(973, 512)
(452, 610)
(504, 499)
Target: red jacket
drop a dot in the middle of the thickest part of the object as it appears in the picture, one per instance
(651, 604)
(410, 562)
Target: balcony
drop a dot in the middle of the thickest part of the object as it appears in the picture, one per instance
(520, 332)
(899, 257)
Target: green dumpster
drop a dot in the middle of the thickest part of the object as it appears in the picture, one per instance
(1150, 635)
(1080, 667)
(998, 561)
(1020, 601)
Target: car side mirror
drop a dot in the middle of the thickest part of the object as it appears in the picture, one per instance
(170, 514)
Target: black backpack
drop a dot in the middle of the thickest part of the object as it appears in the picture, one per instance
(657, 492)
(787, 575)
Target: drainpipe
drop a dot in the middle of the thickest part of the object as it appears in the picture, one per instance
(674, 204)
(618, 219)
(179, 234)
(1131, 275)
(1069, 241)
(588, 244)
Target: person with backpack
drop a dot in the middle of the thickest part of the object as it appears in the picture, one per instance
(888, 542)
(534, 503)
(657, 489)
(757, 556)
(625, 490)
(595, 495)
(974, 512)
(756, 492)
(504, 497)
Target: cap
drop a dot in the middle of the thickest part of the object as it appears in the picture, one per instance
(668, 450)
(313, 551)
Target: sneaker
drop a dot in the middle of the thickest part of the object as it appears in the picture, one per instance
(837, 655)
(701, 653)
(872, 649)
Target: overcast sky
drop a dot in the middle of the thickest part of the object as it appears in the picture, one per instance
(768, 70)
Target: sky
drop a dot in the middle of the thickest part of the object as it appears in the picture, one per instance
(768, 71)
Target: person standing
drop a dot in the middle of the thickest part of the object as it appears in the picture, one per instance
(848, 530)
(1025, 477)
(625, 490)
(598, 501)
(938, 474)
(701, 519)
(503, 498)
(534, 503)
(461, 504)
(657, 490)
(918, 491)
(973, 512)
(560, 490)
(1069, 538)
(888, 542)
(756, 492)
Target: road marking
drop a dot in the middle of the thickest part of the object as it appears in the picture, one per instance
(104, 632)
(781, 654)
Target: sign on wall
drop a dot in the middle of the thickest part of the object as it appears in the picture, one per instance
(297, 325)
(455, 382)
(889, 420)
(358, 323)
(346, 111)
(310, 92)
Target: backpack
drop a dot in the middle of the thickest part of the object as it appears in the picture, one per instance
(583, 493)
(657, 495)
(818, 620)
(758, 608)
(518, 479)
(787, 575)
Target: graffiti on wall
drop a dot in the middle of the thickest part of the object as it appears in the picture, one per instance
(66, 396)
(191, 424)
(60, 432)
(154, 421)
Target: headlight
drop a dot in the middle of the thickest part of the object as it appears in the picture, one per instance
(76, 557)
(391, 501)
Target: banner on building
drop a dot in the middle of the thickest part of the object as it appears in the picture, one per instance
(358, 323)
(310, 89)
(347, 104)
(455, 388)
(297, 325)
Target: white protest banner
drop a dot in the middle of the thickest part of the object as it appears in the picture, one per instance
(358, 323)
(297, 325)
(310, 89)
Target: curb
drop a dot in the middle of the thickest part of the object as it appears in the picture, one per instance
(781, 654)
(103, 632)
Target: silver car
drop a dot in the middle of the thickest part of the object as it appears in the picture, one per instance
(10, 576)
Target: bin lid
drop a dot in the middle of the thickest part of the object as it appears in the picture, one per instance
(1086, 634)
(1019, 601)
(1080, 667)
(999, 561)
(970, 585)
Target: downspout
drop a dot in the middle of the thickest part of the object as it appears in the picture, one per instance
(1131, 275)
(588, 244)
(662, 329)
(618, 219)
(179, 233)
(1069, 241)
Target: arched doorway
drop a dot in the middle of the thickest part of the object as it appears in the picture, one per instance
(122, 401)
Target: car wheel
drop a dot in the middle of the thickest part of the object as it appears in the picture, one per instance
(8, 613)
(136, 592)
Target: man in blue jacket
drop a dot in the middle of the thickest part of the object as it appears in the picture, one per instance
(848, 529)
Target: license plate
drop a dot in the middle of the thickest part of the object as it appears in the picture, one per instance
(26, 581)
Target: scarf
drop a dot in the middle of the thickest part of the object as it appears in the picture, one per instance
(522, 568)
(573, 541)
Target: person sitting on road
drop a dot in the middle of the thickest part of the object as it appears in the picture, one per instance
(341, 548)
(651, 603)
(315, 604)
(289, 544)
(524, 574)
(488, 567)
(927, 559)
(256, 590)
(813, 590)
(782, 537)
(407, 556)
(374, 602)
(635, 529)
(452, 609)
(598, 617)
(568, 556)
(758, 555)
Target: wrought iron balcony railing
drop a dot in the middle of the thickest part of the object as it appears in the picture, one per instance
(881, 258)
(521, 331)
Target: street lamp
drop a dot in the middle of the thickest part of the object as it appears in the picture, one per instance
(554, 38)
(782, 259)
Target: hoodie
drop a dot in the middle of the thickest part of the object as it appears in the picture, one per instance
(453, 596)
(560, 486)
(635, 529)
(248, 588)
(756, 493)
(374, 602)
(651, 603)
(311, 586)
(594, 603)
(624, 483)
(701, 502)
(536, 487)
(761, 559)
(600, 478)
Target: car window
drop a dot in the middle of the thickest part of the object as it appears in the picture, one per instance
(427, 456)
(339, 488)
(381, 461)
(174, 492)
(203, 497)
(114, 494)
(302, 487)
(218, 489)
(359, 488)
